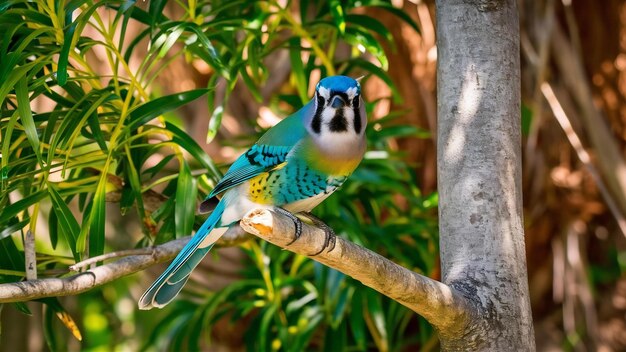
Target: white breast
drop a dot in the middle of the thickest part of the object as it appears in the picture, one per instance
(306, 204)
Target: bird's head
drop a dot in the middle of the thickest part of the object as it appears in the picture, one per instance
(339, 120)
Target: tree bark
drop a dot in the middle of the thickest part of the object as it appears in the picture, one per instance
(479, 172)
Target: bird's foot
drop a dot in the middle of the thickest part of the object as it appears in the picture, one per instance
(330, 238)
(296, 221)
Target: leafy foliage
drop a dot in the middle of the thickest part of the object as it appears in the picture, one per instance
(75, 134)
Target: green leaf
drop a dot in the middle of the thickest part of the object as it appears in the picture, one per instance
(253, 87)
(397, 12)
(367, 41)
(375, 310)
(68, 37)
(13, 228)
(53, 228)
(297, 69)
(156, 11)
(344, 299)
(151, 172)
(97, 221)
(66, 220)
(337, 12)
(378, 72)
(357, 321)
(23, 308)
(209, 54)
(63, 316)
(26, 115)
(170, 39)
(96, 131)
(182, 138)
(93, 222)
(312, 318)
(372, 24)
(185, 206)
(13, 209)
(214, 123)
(264, 329)
(48, 329)
(157, 107)
(12, 258)
(135, 185)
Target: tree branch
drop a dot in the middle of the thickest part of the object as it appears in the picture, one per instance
(75, 284)
(87, 280)
(441, 305)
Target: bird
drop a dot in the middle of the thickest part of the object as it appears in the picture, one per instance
(291, 169)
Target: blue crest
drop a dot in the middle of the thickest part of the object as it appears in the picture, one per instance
(339, 84)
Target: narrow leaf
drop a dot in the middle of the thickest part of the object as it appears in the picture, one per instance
(26, 116)
(66, 220)
(397, 12)
(297, 69)
(65, 53)
(23, 308)
(181, 138)
(65, 318)
(337, 12)
(154, 108)
(13, 228)
(97, 219)
(185, 206)
(13, 209)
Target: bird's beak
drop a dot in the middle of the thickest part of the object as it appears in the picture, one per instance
(338, 102)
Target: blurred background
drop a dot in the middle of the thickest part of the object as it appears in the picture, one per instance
(257, 297)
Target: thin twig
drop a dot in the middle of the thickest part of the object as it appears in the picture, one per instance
(582, 154)
(29, 256)
(544, 33)
(106, 256)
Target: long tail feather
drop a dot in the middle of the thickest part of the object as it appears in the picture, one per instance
(168, 285)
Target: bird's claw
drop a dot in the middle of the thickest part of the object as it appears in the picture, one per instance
(330, 238)
(296, 221)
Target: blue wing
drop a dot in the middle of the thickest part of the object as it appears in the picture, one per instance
(271, 150)
(259, 158)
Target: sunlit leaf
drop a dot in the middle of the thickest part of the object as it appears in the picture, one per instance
(337, 12)
(156, 107)
(55, 306)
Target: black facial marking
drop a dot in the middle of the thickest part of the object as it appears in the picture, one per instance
(357, 115)
(316, 124)
(343, 95)
(338, 122)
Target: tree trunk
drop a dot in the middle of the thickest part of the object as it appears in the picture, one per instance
(479, 172)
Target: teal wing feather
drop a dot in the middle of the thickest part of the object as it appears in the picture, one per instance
(271, 150)
(167, 286)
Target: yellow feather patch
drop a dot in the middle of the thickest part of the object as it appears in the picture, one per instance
(258, 185)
